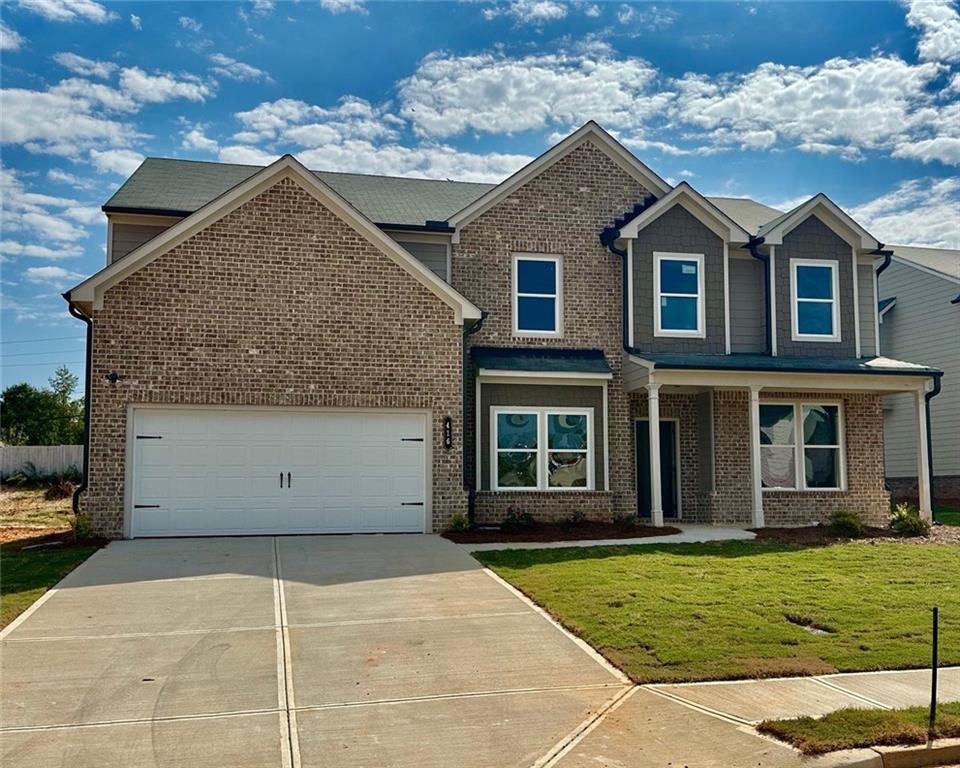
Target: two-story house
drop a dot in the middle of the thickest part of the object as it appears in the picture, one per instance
(275, 350)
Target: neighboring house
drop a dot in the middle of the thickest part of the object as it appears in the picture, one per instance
(280, 351)
(919, 294)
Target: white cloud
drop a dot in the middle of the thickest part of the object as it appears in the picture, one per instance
(943, 149)
(42, 216)
(650, 18)
(592, 11)
(687, 174)
(343, 6)
(242, 154)
(59, 176)
(57, 277)
(196, 139)
(120, 161)
(916, 212)
(84, 66)
(449, 95)
(190, 24)
(162, 87)
(528, 11)
(69, 10)
(9, 39)
(135, 22)
(939, 26)
(263, 6)
(12, 248)
(236, 70)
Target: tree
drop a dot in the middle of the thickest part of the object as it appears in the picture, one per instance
(33, 416)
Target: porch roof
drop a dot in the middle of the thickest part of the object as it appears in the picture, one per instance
(541, 360)
(664, 361)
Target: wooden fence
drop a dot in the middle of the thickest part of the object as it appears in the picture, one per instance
(48, 459)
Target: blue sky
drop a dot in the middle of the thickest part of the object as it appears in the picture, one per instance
(774, 101)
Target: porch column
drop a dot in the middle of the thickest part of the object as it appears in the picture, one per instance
(755, 475)
(653, 421)
(923, 463)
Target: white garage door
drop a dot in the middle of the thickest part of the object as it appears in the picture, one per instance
(209, 472)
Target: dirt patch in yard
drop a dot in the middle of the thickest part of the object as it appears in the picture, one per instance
(821, 536)
(552, 532)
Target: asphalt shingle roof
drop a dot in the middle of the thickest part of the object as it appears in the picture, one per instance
(675, 361)
(546, 359)
(180, 187)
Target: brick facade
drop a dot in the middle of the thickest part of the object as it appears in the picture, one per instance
(278, 303)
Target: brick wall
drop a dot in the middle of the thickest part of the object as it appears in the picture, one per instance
(561, 211)
(278, 303)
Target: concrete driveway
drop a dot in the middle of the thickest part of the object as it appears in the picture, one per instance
(300, 651)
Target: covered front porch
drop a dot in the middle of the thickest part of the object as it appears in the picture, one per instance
(768, 441)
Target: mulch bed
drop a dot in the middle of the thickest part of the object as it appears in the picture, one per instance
(553, 532)
(820, 536)
(15, 539)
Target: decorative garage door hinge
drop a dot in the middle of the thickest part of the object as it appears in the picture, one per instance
(411, 439)
(149, 437)
(411, 503)
(146, 506)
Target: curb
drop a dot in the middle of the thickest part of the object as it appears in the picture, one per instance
(935, 753)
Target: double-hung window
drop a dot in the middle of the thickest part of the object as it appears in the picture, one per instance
(537, 299)
(542, 449)
(801, 446)
(815, 305)
(678, 294)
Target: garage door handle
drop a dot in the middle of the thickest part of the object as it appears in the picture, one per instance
(289, 483)
(411, 503)
(281, 479)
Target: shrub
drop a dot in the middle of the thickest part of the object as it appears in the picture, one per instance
(458, 523)
(82, 527)
(61, 488)
(906, 520)
(515, 521)
(847, 524)
(571, 521)
(624, 522)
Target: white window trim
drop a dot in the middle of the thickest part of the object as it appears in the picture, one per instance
(658, 329)
(557, 297)
(834, 267)
(542, 450)
(799, 446)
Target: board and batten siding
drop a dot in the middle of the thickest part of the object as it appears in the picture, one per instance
(923, 327)
(748, 332)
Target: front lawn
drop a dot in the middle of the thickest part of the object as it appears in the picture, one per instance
(26, 574)
(682, 612)
(853, 728)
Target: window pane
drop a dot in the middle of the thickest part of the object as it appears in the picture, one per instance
(678, 314)
(820, 425)
(777, 467)
(536, 314)
(776, 425)
(678, 277)
(568, 470)
(822, 467)
(536, 276)
(566, 431)
(815, 317)
(814, 282)
(516, 430)
(517, 470)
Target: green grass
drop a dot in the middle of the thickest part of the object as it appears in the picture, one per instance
(948, 515)
(680, 612)
(852, 728)
(26, 575)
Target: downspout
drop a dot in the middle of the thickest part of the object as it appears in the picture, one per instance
(608, 238)
(75, 502)
(927, 398)
(470, 483)
(752, 245)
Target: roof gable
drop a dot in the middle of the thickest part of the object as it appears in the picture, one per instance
(592, 132)
(694, 203)
(90, 292)
(829, 213)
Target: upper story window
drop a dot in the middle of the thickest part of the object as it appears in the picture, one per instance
(547, 449)
(678, 294)
(537, 298)
(800, 446)
(814, 303)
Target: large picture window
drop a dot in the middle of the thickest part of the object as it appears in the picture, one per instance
(801, 446)
(537, 304)
(542, 449)
(814, 306)
(678, 294)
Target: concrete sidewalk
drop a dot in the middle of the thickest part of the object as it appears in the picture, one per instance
(689, 534)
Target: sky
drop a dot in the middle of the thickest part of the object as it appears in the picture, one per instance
(774, 101)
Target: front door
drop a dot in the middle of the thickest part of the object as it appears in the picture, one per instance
(669, 487)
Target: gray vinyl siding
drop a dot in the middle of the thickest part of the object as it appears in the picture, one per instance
(923, 327)
(868, 316)
(541, 396)
(433, 255)
(678, 231)
(128, 237)
(748, 310)
(814, 240)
